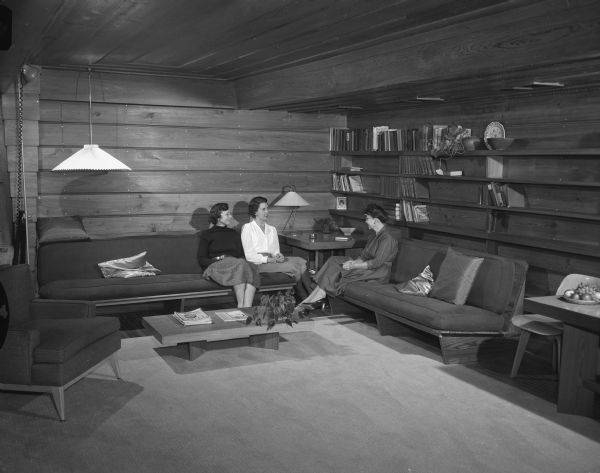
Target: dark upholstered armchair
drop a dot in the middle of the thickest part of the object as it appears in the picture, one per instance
(51, 344)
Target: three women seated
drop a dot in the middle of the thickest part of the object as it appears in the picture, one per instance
(234, 259)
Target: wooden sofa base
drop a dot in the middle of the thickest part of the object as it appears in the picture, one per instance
(182, 297)
(456, 347)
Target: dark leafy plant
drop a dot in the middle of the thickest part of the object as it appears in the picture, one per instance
(275, 308)
(451, 143)
(325, 225)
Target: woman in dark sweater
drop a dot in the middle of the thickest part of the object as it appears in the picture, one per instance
(221, 255)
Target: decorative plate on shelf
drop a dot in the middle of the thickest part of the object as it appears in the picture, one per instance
(493, 130)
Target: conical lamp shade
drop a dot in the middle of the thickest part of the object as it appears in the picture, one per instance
(91, 158)
(291, 199)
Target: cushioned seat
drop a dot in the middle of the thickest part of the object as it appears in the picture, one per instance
(51, 344)
(433, 313)
(119, 288)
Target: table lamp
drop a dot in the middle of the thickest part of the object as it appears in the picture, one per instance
(292, 199)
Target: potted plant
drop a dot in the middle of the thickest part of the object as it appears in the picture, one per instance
(325, 225)
(275, 308)
(452, 142)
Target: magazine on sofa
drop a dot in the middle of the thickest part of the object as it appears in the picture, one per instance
(192, 317)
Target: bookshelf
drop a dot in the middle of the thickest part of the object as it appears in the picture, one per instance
(546, 199)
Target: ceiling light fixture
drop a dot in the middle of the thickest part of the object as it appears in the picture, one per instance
(430, 99)
(536, 83)
(91, 157)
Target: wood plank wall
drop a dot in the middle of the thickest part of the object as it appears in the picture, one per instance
(187, 145)
(547, 119)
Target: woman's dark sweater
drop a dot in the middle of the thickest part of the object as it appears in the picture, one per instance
(217, 241)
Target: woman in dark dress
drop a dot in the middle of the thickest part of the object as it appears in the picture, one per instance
(221, 255)
(373, 264)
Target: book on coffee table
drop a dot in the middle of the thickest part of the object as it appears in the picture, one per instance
(192, 317)
(232, 315)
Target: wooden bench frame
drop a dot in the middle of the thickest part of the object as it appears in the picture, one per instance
(183, 296)
(456, 346)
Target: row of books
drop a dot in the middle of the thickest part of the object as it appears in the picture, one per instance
(412, 212)
(347, 182)
(505, 195)
(192, 317)
(381, 138)
(423, 165)
(199, 317)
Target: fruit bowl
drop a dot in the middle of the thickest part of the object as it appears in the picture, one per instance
(500, 143)
(347, 231)
(578, 301)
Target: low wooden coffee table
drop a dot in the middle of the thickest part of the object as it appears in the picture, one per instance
(198, 338)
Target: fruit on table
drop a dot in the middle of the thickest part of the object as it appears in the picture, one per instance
(583, 292)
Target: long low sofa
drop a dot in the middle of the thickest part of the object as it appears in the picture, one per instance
(68, 269)
(496, 295)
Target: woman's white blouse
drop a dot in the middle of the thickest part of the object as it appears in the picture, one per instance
(255, 241)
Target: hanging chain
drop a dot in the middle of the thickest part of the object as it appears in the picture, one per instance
(20, 157)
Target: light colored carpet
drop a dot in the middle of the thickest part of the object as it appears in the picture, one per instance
(339, 399)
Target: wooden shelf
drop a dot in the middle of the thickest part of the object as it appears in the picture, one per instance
(517, 152)
(453, 200)
(518, 240)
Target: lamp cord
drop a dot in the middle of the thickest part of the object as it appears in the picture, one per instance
(90, 102)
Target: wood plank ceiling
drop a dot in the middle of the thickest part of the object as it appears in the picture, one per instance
(319, 55)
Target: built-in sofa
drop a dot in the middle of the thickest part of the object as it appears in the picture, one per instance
(68, 269)
(495, 297)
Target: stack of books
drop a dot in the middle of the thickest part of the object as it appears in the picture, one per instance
(193, 317)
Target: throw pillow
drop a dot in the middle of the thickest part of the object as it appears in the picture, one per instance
(456, 277)
(130, 267)
(60, 229)
(419, 285)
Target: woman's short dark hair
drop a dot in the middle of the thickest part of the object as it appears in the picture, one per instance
(254, 204)
(215, 212)
(376, 211)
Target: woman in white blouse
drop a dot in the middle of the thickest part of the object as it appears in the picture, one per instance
(261, 244)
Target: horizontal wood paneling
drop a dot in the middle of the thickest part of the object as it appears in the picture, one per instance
(200, 160)
(140, 136)
(184, 157)
(77, 112)
(179, 181)
(107, 225)
(161, 204)
(137, 89)
(545, 32)
(562, 119)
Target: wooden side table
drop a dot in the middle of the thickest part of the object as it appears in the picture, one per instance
(322, 242)
(579, 356)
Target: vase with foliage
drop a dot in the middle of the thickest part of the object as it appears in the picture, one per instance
(325, 225)
(452, 142)
(275, 308)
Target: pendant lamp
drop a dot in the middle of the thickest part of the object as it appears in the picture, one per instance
(91, 157)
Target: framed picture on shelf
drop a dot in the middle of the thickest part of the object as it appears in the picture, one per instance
(341, 203)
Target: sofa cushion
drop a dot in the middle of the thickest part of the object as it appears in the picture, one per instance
(413, 256)
(114, 288)
(430, 312)
(101, 289)
(456, 277)
(420, 285)
(61, 229)
(498, 284)
(172, 253)
(130, 267)
(61, 339)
